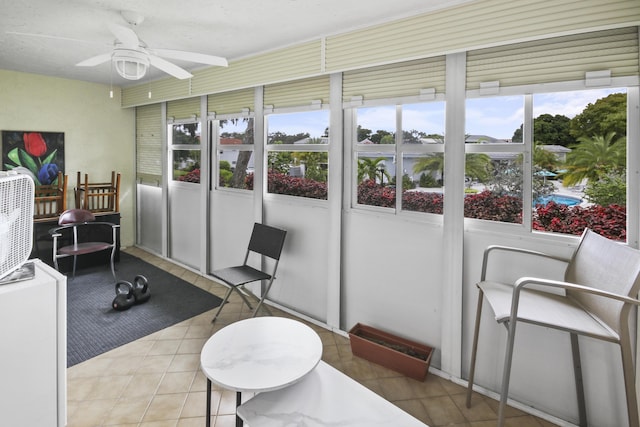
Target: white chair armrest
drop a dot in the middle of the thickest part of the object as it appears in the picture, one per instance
(497, 248)
(558, 284)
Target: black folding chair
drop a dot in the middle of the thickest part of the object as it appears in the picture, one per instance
(266, 241)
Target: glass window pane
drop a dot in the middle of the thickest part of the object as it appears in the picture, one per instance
(376, 125)
(376, 175)
(422, 182)
(494, 120)
(494, 186)
(236, 169)
(298, 173)
(311, 127)
(187, 133)
(186, 165)
(236, 131)
(579, 162)
(423, 123)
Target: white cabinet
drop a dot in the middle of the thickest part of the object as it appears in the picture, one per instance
(33, 350)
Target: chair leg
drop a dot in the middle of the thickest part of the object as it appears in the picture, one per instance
(264, 295)
(474, 348)
(244, 298)
(506, 373)
(629, 381)
(577, 371)
(224, 301)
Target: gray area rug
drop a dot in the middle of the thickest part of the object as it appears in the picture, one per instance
(94, 327)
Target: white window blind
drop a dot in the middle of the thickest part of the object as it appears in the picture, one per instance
(149, 143)
(556, 59)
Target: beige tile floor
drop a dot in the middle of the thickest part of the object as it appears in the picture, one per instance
(156, 381)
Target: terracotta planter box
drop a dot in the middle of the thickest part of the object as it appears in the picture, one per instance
(401, 355)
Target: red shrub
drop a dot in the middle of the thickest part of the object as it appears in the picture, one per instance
(609, 221)
(487, 205)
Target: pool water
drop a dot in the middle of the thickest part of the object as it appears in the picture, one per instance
(559, 199)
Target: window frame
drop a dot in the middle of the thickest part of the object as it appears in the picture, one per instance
(171, 148)
(213, 121)
(529, 91)
(398, 150)
(274, 148)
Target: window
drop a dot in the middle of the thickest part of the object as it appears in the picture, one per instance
(297, 154)
(184, 143)
(235, 153)
(563, 154)
(494, 162)
(416, 160)
(580, 162)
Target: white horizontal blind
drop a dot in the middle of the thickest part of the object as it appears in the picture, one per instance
(474, 25)
(395, 80)
(149, 143)
(556, 59)
(231, 102)
(183, 108)
(297, 93)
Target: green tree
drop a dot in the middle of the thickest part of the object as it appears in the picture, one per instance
(363, 133)
(607, 115)
(476, 166)
(544, 159)
(549, 130)
(369, 168)
(594, 158)
(433, 164)
(610, 189)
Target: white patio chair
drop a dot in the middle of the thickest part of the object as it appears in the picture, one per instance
(601, 285)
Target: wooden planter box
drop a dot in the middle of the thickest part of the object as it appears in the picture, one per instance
(401, 355)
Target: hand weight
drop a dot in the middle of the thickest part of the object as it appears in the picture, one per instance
(141, 291)
(124, 296)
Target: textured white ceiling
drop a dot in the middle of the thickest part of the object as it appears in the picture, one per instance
(50, 37)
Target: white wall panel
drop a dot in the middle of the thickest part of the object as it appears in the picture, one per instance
(302, 274)
(392, 277)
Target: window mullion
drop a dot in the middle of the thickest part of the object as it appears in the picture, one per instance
(527, 171)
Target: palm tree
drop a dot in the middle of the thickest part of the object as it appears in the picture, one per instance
(476, 165)
(369, 168)
(594, 157)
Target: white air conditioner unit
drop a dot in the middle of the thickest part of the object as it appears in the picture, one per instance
(16, 220)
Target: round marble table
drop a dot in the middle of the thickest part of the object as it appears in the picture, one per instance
(259, 354)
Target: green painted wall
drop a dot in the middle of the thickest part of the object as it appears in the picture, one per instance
(99, 134)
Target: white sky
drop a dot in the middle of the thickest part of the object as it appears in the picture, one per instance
(498, 117)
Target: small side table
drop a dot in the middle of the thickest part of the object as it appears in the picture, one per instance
(259, 354)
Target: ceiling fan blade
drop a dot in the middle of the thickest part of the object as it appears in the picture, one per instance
(95, 60)
(200, 58)
(125, 35)
(169, 68)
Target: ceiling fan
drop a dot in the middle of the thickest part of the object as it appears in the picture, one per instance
(132, 57)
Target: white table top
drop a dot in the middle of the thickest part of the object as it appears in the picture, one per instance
(260, 354)
(325, 397)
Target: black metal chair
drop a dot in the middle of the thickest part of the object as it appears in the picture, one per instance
(77, 235)
(266, 241)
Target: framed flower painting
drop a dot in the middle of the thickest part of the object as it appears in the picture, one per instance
(41, 154)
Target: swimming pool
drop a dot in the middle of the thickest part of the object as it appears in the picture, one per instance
(559, 199)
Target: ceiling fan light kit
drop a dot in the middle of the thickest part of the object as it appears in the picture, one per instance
(130, 64)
